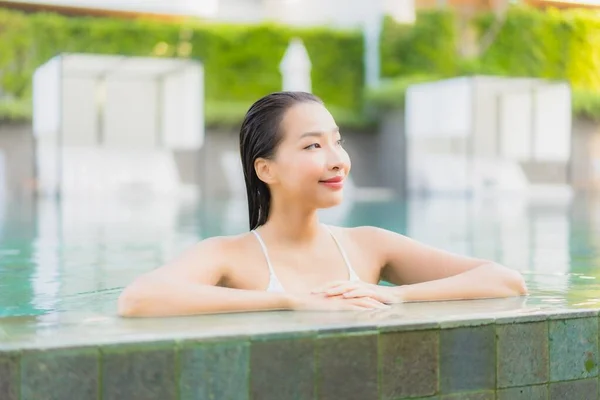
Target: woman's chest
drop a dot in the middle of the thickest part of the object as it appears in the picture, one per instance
(301, 271)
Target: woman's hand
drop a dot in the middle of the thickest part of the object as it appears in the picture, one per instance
(356, 289)
(320, 302)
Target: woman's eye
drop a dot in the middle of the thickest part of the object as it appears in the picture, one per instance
(313, 146)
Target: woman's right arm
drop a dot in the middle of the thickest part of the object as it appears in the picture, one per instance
(188, 285)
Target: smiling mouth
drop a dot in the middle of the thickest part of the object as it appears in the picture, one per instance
(336, 183)
(337, 179)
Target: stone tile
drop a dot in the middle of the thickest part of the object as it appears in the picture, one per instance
(9, 376)
(60, 374)
(519, 318)
(409, 364)
(573, 349)
(583, 389)
(571, 314)
(350, 328)
(522, 354)
(347, 367)
(539, 392)
(487, 395)
(286, 335)
(465, 322)
(292, 361)
(214, 370)
(467, 359)
(396, 326)
(139, 372)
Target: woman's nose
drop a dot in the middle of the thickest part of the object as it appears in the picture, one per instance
(337, 158)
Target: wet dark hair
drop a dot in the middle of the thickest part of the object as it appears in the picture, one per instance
(260, 134)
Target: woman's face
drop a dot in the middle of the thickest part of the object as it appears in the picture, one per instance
(310, 164)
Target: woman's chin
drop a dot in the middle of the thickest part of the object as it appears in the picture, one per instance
(332, 201)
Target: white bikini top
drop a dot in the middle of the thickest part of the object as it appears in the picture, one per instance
(275, 284)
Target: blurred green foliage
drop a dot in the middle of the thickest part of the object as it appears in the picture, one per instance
(427, 46)
(15, 111)
(242, 61)
(391, 94)
(586, 104)
(548, 44)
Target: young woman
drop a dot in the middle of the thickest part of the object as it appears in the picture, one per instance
(294, 164)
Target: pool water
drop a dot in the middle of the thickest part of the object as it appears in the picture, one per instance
(77, 255)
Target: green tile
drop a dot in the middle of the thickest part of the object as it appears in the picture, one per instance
(465, 322)
(403, 326)
(138, 372)
(409, 364)
(347, 367)
(535, 316)
(9, 376)
(583, 389)
(522, 354)
(291, 361)
(60, 374)
(214, 370)
(573, 349)
(487, 395)
(348, 328)
(571, 314)
(302, 333)
(539, 392)
(467, 359)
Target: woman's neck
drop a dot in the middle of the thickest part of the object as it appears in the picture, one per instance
(292, 223)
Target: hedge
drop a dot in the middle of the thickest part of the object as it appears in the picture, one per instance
(547, 44)
(427, 46)
(241, 61)
(551, 44)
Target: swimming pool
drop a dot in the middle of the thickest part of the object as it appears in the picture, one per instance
(62, 266)
(73, 257)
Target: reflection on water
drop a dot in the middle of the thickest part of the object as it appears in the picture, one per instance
(77, 256)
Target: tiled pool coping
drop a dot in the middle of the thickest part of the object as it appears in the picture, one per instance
(475, 350)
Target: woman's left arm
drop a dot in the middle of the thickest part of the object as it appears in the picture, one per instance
(426, 273)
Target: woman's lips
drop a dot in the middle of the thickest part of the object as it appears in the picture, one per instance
(336, 182)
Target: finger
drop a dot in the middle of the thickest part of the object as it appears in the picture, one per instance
(341, 289)
(377, 303)
(347, 305)
(368, 302)
(356, 307)
(374, 301)
(329, 285)
(367, 292)
(358, 293)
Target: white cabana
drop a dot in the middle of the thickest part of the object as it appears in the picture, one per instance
(106, 124)
(474, 134)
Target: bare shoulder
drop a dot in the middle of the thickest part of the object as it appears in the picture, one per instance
(365, 242)
(369, 236)
(224, 249)
(208, 261)
(218, 245)
(378, 241)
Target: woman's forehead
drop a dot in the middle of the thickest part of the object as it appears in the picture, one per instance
(307, 117)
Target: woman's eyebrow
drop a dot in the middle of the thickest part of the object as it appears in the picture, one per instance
(318, 133)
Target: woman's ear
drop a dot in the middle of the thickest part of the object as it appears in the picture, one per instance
(264, 170)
